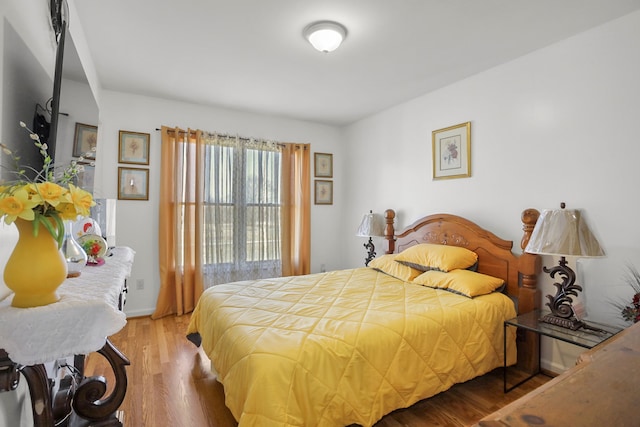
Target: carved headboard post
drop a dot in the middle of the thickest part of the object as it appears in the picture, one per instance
(389, 231)
(530, 265)
(529, 219)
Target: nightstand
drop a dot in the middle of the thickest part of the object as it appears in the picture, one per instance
(586, 338)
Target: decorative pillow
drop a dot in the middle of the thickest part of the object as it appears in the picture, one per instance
(387, 264)
(427, 256)
(464, 282)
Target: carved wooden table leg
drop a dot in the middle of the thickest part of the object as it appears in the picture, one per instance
(37, 382)
(9, 375)
(40, 392)
(87, 402)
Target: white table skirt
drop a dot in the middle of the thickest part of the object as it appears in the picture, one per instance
(79, 323)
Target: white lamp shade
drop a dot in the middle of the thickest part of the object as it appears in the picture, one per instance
(563, 232)
(371, 225)
(325, 36)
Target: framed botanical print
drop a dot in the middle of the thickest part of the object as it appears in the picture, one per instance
(452, 151)
(134, 147)
(323, 192)
(85, 141)
(323, 165)
(133, 184)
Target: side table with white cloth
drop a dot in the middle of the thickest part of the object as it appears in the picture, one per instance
(88, 312)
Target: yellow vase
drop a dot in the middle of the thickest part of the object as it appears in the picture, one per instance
(35, 268)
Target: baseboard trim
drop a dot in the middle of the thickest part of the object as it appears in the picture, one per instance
(138, 313)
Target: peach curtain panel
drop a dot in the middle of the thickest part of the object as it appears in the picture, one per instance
(181, 217)
(180, 209)
(296, 210)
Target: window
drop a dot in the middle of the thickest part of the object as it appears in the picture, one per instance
(242, 209)
(230, 209)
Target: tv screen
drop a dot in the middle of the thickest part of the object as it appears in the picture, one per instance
(55, 100)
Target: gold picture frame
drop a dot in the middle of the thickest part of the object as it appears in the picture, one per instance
(451, 149)
(133, 184)
(133, 147)
(323, 192)
(323, 165)
(85, 141)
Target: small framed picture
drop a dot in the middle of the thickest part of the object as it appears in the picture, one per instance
(134, 148)
(133, 184)
(323, 192)
(452, 152)
(85, 141)
(323, 165)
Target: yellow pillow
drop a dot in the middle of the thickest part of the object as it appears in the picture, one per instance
(427, 256)
(388, 265)
(464, 282)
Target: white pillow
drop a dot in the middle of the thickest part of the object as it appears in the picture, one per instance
(8, 239)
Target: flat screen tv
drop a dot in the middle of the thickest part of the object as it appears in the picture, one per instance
(55, 99)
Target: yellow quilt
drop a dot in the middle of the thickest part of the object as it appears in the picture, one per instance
(344, 347)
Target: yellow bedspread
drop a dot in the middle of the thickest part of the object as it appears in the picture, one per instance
(344, 347)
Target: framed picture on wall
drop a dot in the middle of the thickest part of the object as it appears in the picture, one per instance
(323, 165)
(85, 141)
(133, 184)
(452, 152)
(134, 147)
(323, 192)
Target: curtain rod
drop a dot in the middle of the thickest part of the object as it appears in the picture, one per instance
(233, 136)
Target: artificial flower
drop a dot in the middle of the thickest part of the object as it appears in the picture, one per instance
(45, 198)
(17, 204)
(631, 313)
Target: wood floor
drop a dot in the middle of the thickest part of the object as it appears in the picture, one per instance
(170, 384)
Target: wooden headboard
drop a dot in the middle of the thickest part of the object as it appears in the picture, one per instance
(495, 255)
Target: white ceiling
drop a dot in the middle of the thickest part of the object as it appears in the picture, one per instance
(250, 54)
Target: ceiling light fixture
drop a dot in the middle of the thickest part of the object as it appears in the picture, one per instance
(325, 36)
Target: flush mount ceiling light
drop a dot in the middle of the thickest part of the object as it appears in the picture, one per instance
(325, 36)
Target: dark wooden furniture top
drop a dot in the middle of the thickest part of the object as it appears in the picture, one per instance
(601, 390)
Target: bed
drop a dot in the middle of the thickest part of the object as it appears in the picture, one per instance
(349, 346)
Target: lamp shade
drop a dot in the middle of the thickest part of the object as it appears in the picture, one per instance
(325, 36)
(371, 225)
(563, 232)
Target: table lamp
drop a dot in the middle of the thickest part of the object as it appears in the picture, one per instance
(563, 232)
(371, 226)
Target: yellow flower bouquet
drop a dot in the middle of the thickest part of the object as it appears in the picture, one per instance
(47, 196)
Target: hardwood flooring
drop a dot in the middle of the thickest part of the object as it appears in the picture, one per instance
(170, 384)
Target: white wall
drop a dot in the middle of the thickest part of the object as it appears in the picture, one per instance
(556, 125)
(137, 221)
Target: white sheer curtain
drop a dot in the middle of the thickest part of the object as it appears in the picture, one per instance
(242, 209)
